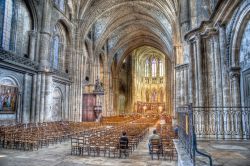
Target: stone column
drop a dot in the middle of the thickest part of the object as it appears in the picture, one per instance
(106, 86)
(41, 113)
(199, 71)
(185, 90)
(219, 88)
(67, 103)
(25, 112)
(45, 36)
(38, 98)
(116, 93)
(182, 85)
(224, 67)
(235, 113)
(32, 44)
(190, 75)
(184, 16)
(224, 78)
(33, 100)
(134, 89)
(48, 98)
(44, 54)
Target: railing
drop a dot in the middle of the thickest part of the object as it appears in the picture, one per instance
(186, 133)
(222, 122)
(13, 58)
(185, 130)
(60, 73)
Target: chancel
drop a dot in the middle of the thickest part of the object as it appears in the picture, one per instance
(76, 76)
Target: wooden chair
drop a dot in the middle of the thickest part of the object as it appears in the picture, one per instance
(123, 149)
(74, 145)
(155, 148)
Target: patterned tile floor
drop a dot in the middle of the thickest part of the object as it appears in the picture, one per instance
(226, 153)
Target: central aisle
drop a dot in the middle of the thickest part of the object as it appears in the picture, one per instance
(59, 155)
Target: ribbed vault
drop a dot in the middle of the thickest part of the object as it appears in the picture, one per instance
(123, 25)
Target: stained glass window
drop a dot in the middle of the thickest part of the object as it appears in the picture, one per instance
(154, 68)
(55, 52)
(161, 68)
(7, 25)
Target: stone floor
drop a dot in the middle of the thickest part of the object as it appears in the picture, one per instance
(59, 155)
(226, 153)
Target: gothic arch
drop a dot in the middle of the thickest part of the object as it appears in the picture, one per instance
(11, 80)
(239, 24)
(58, 106)
(33, 12)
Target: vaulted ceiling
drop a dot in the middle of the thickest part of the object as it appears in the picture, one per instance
(123, 25)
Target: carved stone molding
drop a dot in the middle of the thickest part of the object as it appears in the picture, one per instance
(234, 73)
(181, 67)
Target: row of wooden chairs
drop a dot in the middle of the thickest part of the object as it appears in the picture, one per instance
(105, 141)
(37, 135)
(165, 147)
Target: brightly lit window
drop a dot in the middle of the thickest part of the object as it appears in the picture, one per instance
(60, 4)
(154, 67)
(161, 68)
(7, 24)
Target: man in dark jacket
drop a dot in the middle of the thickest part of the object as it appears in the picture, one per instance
(124, 140)
(123, 144)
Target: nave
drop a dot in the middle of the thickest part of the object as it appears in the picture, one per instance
(59, 152)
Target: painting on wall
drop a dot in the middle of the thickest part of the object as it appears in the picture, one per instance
(8, 99)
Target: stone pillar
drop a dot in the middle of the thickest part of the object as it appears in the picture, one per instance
(181, 76)
(199, 71)
(185, 88)
(48, 98)
(32, 44)
(45, 36)
(38, 98)
(33, 100)
(41, 113)
(116, 93)
(106, 86)
(178, 54)
(225, 78)
(190, 75)
(133, 77)
(25, 112)
(44, 54)
(236, 116)
(224, 67)
(184, 16)
(219, 88)
(67, 104)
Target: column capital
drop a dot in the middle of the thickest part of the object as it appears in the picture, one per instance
(220, 25)
(32, 33)
(197, 36)
(234, 72)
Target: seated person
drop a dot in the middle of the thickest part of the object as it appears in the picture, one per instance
(154, 136)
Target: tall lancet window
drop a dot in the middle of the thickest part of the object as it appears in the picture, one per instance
(160, 68)
(55, 52)
(154, 67)
(147, 68)
(60, 4)
(7, 24)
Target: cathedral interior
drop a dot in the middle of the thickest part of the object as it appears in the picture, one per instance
(76, 74)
